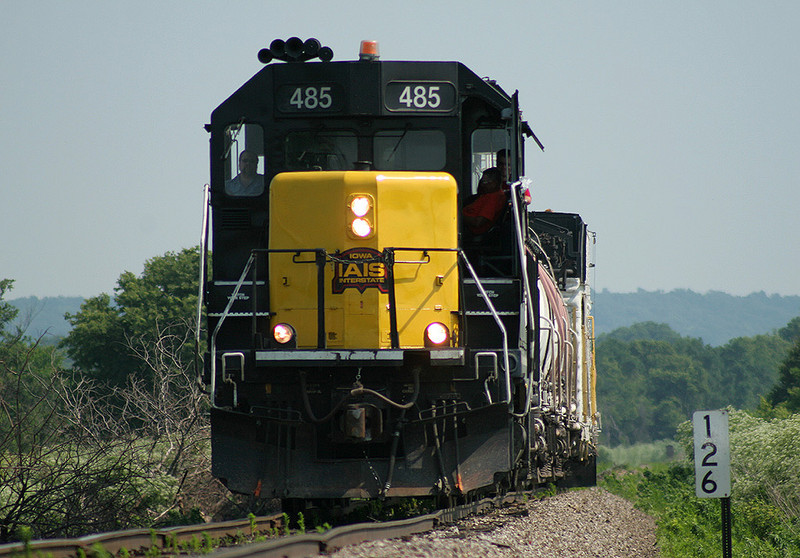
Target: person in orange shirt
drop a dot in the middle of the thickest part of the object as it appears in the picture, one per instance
(482, 213)
(505, 176)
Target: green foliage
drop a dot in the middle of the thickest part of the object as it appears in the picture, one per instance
(765, 497)
(765, 460)
(7, 311)
(24, 534)
(547, 492)
(647, 386)
(660, 451)
(787, 391)
(649, 331)
(791, 332)
(99, 551)
(105, 331)
(26, 371)
(690, 527)
(286, 530)
(75, 459)
(748, 368)
(175, 518)
(208, 543)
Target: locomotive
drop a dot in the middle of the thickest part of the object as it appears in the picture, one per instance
(362, 340)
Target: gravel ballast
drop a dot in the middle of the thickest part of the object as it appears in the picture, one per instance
(579, 523)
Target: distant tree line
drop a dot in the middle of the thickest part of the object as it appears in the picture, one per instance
(650, 378)
(714, 317)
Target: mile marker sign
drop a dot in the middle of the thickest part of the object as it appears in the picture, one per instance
(712, 454)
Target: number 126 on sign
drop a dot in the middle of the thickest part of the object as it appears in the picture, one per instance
(712, 454)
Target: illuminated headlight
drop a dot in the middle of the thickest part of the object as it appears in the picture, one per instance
(283, 333)
(361, 227)
(359, 206)
(360, 215)
(436, 334)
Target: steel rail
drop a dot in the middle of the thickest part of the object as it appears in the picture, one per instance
(293, 546)
(136, 539)
(298, 546)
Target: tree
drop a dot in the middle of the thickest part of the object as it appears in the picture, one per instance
(7, 311)
(791, 331)
(749, 368)
(78, 457)
(164, 296)
(646, 386)
(25, 370)
(787, 391)
(651, 331)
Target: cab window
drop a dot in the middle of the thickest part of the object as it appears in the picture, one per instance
(486, 142)
(244, 160)
(410, 150)
(320, 150)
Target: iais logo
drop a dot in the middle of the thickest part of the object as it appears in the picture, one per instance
(360, 268)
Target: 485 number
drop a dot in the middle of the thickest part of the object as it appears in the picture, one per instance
(305, 98)
(420, 96)
(311, 98)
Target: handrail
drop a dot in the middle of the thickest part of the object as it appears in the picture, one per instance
(554, 339)
(201, 281)
(595, 414)
(523, 261)
(497, 320)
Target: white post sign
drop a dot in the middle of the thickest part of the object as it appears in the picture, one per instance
(712, 454)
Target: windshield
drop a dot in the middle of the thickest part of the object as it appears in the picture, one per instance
(321, 150)
(410, 150)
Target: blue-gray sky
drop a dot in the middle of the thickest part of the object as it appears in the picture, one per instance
(673, 127)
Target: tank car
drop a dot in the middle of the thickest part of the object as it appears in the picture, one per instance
(362, 341)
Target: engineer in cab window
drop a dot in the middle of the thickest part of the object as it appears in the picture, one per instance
(248, 182)
(482, 213)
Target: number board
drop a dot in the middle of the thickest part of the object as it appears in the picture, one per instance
(310, 98)
(712, 454)
(420, 96)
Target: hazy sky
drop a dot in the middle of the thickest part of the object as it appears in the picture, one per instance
(672, 127)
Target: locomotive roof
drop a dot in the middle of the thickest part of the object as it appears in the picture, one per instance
(362, 85)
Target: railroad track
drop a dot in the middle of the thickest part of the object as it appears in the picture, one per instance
(187, 539)
(136, 540)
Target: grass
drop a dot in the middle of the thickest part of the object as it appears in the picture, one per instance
(687, 526)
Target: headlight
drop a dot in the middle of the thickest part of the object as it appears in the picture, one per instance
(361, 227)
(359, 205)
(283, 333)
(436, 334)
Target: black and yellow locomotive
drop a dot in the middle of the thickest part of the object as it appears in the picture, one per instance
(362, 341)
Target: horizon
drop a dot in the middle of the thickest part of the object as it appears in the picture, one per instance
(594, 292)
(754, 314)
